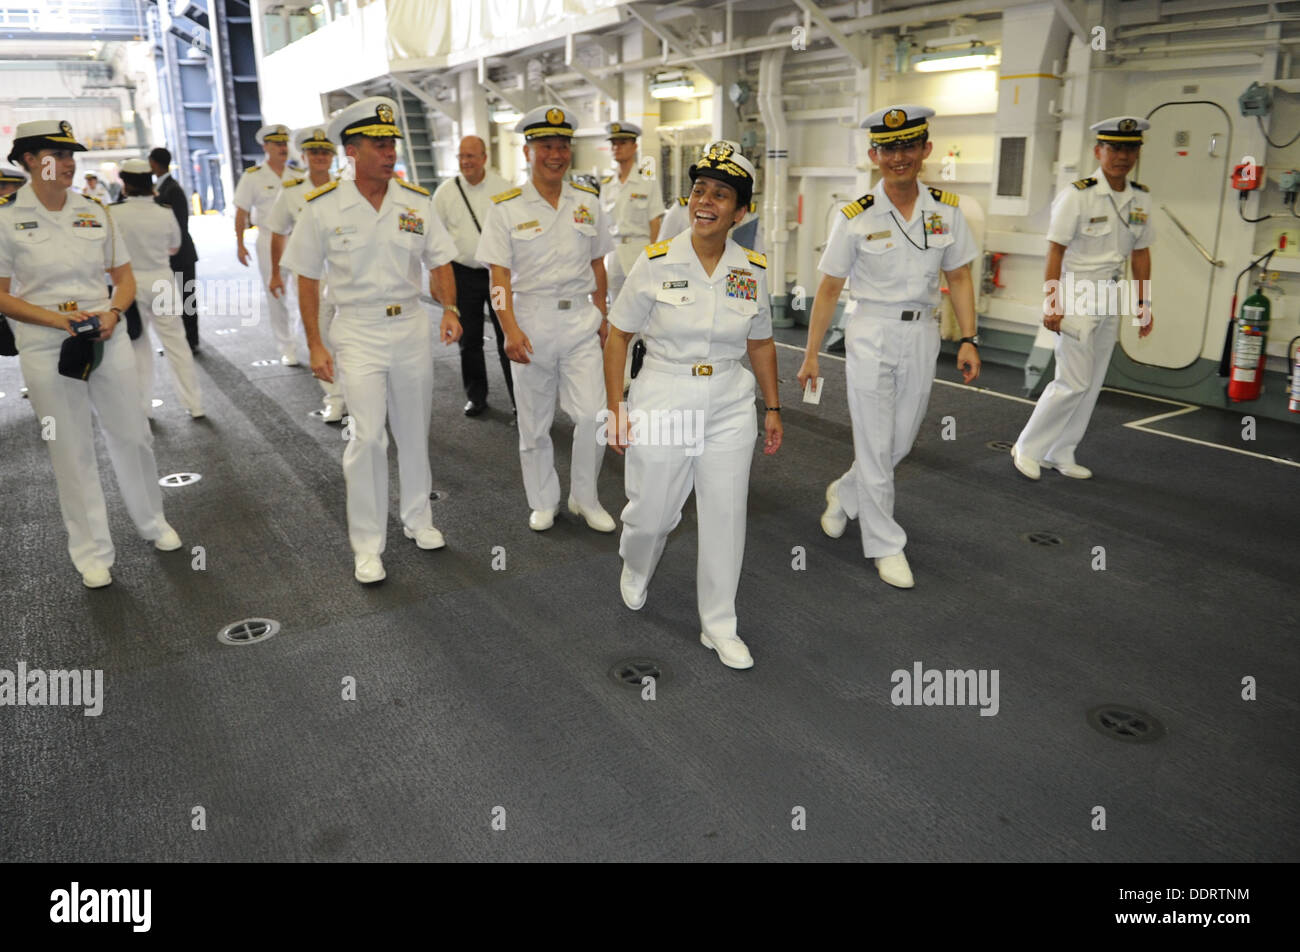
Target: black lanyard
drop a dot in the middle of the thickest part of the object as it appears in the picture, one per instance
(925, 236)
(472, 216)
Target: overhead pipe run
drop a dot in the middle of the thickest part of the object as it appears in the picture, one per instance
(774, 185)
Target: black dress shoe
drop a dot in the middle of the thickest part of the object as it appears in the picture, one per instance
(474, 409)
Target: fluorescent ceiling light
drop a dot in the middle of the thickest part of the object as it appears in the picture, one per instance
(973, 58)
(504, 115)
(671, 86)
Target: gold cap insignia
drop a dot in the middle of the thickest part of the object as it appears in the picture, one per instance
(555, 116)
(385, 113)
(895, 118)
(65, 127)
(1127, 125)
(615, 127)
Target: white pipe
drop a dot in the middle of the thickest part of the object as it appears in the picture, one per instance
(778, 162)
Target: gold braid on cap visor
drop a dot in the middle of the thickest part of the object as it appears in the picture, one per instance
(725, 165)
(275, 137)
(375, 130)
(317, 144)
(1120, 137)
(537, 132)
(899, 135)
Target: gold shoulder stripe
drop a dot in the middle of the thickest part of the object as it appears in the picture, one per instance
(413, 187)
(1085, 183)
(7, 199)
(506, 196)
(292, 182)
(252, 168)
(948, 198)
(1139, 186)
(93, 199)
(857, 206)
(657, 250)
(681, 201)
(584, 188)
(756, 259)
(317, 193)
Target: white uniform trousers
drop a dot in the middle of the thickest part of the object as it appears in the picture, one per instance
(333, 389)
(619, 262)
(890, 371)
(387, 367)
(566, 361)
(112, 395)
(659, 477)
(156, 299)
(1061, 417)
(284, 322)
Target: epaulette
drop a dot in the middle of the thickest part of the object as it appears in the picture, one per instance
(292, 182)
(756, 259)
(753, 207)
(252, 168)
(7, 199)
(857, 206)
(414, 188)
(317, 193)
(506, 196)
(92, 198)
(584, 188)
(1083, 183)
(1140, 187)
(948, 198)
(682, 201)
(657, 250)
(606, 179)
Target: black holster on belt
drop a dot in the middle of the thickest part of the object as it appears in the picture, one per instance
(638, 355)
(8, 346)
(134, 325)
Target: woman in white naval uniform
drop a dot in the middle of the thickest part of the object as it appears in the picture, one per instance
(55, 246)
(152, 236)
(1097, 224)
(255, 193)
(318, 152)
(700, 302)
(890, 246)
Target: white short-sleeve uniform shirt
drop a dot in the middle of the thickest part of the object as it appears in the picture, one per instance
(258, 188)
(1099, 227)
(371, 258)
(869, 245)
(150, 232)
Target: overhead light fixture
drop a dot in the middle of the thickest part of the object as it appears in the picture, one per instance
(506, 115)
(672, 86)
(974, 57)
(316, 9)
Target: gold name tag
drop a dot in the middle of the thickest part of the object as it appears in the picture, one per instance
(528, 224)
(879, 234)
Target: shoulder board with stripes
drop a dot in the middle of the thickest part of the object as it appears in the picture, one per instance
(92, 198)
(506, 196)
(857, 206)
(606, 179)
(8, 199)
(317, 193)
(682, 201)
(1085, 183)
(756, 259)
(292, 182)
(657, 250)
(252, 168)
(413, 187)
(584, 188)
(1140, 187)
(753, 207)
(948, 198)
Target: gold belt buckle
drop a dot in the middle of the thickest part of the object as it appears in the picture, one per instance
(67, 306)
(392, 310)
(702, 370)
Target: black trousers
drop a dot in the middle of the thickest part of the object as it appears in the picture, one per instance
(189, 295)
(473, 296)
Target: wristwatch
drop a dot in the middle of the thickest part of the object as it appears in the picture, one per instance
(972, 340)
(116, 310)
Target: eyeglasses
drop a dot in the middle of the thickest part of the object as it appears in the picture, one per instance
(893, 148)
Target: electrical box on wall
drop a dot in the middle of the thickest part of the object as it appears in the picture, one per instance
(1012, 174)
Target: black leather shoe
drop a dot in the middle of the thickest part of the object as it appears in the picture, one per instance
(474, 409)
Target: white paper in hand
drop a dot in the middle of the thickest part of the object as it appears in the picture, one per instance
(1078, 326)
(812, 391)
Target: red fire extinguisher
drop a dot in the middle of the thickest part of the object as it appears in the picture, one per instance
(1248, 354)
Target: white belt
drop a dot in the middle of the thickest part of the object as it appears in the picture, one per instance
(694, 370)
(537, 301)
(72, 307)
(628, 239)
(404, 309)
(896, 313)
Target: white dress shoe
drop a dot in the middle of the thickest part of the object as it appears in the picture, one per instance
(894, 570)
(169, 541)
(369, 569)
(289, 360)
(597, 518)
(1027, 467)
(333, 413)
(732, 652)
(632, 598)
(834, 519)
(429, 538)
(96, 578)
(539, 520)
(197, 414)
(1073, 470)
